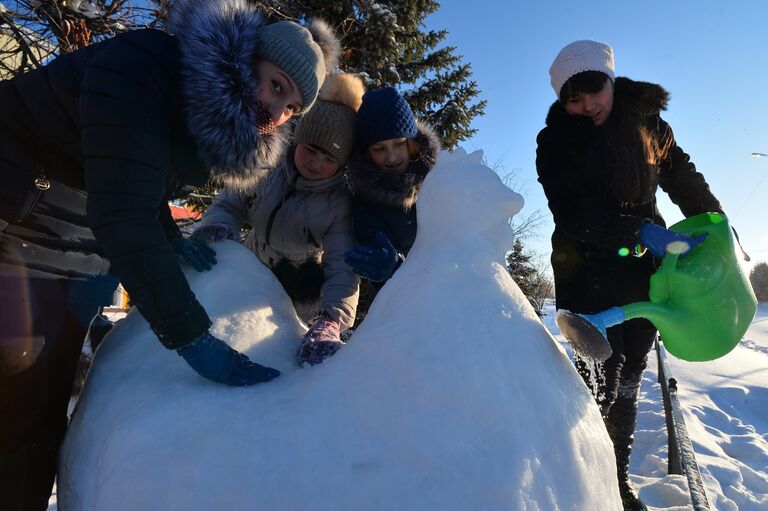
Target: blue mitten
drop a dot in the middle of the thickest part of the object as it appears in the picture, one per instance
(661, 241)
(194, 252)
(213, 359)
(374, 263)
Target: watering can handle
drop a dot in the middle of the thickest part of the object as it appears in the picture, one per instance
(738, 242)
(669, 263)
(662, 277)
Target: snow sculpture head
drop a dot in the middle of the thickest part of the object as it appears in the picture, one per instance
(462, 190)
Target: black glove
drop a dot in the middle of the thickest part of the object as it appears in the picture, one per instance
(194, 252)
(212, 358)
(374, 263)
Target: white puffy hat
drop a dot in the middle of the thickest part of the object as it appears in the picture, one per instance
(580, 56)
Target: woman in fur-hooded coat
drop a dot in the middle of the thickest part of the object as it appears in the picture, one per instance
(92, 147)
(602, 156)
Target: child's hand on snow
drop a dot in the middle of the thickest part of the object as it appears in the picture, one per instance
(374, 263)
(321, 341)
(216, 231)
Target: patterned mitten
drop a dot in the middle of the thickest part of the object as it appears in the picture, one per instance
(320, 342)
(216, 231)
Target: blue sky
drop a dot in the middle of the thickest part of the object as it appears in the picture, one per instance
(712, 56)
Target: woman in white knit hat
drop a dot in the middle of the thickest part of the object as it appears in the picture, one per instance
(301, 218)
(601, 157)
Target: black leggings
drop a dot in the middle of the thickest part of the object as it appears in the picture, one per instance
(43, 327)
(623, 371)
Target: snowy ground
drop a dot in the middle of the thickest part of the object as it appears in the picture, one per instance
(726, 411)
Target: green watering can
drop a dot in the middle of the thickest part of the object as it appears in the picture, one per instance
(701, 304)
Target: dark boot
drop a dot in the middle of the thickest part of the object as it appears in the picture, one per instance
(620, 424)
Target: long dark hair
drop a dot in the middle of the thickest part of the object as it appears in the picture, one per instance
(631, 149)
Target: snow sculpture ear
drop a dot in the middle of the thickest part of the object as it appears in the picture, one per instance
(475, 156)
(462, 196)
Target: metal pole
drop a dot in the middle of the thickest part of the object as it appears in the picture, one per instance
(673, 456)
(682, 459)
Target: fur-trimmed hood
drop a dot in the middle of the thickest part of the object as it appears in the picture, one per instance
(640, 99)
(394, 190)
(218, 40)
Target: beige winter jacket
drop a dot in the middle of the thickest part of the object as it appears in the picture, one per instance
(298, 221)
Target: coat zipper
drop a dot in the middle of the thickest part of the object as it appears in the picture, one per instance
(33, 196)
(272, 215)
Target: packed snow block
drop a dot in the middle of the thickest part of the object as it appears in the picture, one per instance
(451, 395)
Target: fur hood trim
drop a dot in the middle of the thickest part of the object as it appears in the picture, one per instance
(218, 41)
(642, 99)
(398, 190)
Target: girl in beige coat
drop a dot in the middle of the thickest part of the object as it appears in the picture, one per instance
(300, 214)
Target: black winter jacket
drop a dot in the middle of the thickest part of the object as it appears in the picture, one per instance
(387, 203)
(591, 226)
(130, 123)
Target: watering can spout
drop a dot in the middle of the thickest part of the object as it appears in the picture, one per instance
(588, 335)
(664, 316)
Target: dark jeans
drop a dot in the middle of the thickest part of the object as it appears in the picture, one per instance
(44, 322)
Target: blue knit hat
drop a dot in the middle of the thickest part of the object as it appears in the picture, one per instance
(384, 114)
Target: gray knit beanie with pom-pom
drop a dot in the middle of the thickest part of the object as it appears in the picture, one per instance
(331, 123)
(306, 54)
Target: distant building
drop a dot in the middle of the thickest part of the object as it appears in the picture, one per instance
(10, 56)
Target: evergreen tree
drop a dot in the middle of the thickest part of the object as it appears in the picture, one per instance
(758, 277)
(33, 30)
(386, 43)
(522, 270)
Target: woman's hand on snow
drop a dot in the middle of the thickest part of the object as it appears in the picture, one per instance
(213, 359)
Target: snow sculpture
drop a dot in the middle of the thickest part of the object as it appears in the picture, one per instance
(452, 395)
